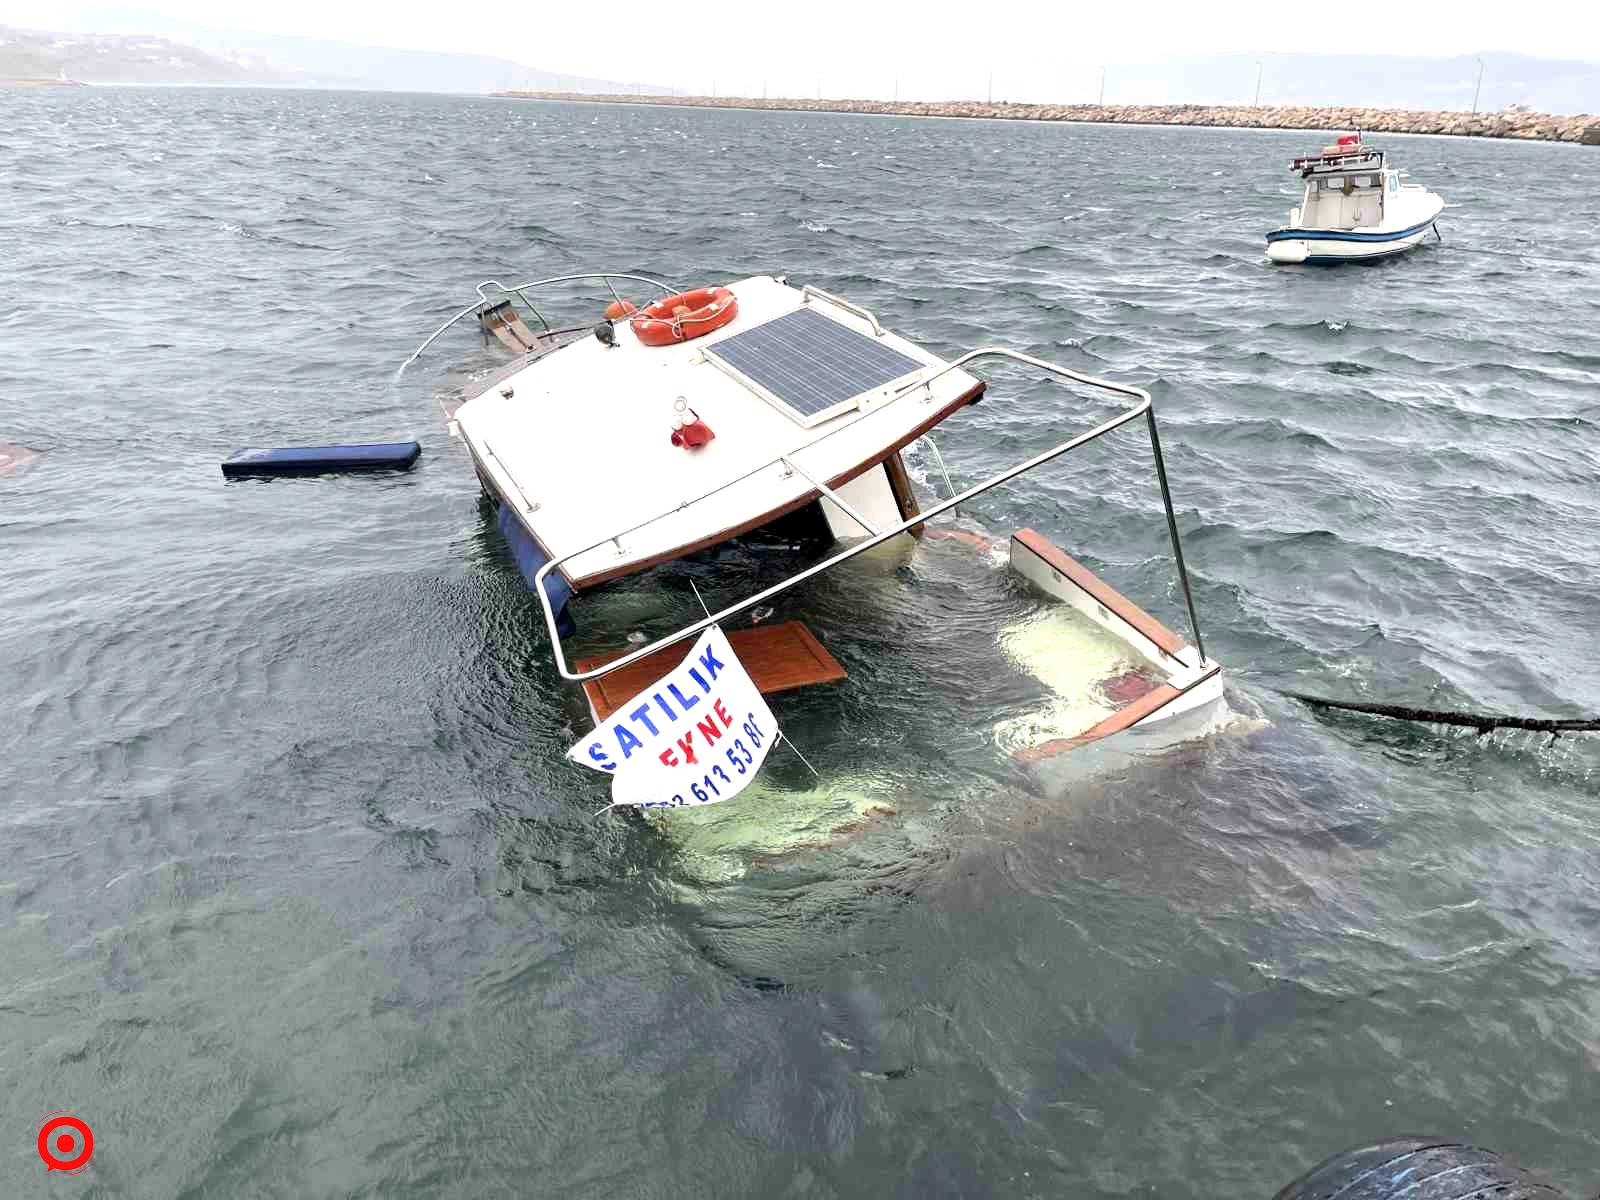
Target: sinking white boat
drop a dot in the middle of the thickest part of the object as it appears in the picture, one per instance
(1355, 207)
(620, 447)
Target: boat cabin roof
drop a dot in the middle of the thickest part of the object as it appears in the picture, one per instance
(799, 388)
(1348, 160)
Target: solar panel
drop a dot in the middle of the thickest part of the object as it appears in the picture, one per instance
(809, 364)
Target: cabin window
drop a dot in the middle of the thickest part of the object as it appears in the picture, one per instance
(1394, 183)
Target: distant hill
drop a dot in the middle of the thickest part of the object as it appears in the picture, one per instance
(127, 58)
(146, 48)
(383, 69)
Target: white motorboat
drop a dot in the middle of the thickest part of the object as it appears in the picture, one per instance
(621, 447)
(1355, 207)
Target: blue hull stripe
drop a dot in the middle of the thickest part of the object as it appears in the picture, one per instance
(1338, 235)
(1326, 260)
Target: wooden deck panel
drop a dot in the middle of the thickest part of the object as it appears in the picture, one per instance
(778, 657)
(514, 319)
(503, 321)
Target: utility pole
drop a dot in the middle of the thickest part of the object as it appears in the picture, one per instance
(1258, 83)
(1477, 89)
(991, 87)
(1102, 87)
(897, 89)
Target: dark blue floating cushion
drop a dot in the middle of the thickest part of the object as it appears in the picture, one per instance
(316, 460)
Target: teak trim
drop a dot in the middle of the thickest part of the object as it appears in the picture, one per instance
(905, 496)
(1100, 591)
(1124, 718)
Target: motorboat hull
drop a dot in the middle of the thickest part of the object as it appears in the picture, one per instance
(1321, 247)
(1324, 247)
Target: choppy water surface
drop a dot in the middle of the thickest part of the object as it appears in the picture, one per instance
(297, 897)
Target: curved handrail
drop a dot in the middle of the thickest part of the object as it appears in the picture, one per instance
(518, 289)
(808, 291)
(927, 439)
(1143, 406)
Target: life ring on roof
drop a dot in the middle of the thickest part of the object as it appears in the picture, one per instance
(684, 316)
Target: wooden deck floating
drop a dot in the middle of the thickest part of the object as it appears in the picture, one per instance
(778, 657)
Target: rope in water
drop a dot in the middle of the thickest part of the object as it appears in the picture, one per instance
(1458, 248)
(1482, 722)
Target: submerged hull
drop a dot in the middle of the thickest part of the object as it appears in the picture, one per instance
(1181, 685)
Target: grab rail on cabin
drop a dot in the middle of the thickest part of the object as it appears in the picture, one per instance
(517, 290)
(1143, 407)
(808, 291)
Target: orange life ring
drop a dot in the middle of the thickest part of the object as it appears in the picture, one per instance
(687, 315)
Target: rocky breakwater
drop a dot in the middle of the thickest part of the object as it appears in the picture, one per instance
(1511, 123)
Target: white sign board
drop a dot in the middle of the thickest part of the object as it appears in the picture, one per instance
(697, 735)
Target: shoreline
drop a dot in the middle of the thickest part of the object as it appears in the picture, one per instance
(1513, 125)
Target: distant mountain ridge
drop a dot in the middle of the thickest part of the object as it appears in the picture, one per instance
(128, 58)
(145, 48)
(383, 69)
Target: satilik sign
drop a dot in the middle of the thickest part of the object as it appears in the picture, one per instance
(697, 735)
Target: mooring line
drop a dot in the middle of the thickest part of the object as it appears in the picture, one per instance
(1482, 722)
(1457, 247)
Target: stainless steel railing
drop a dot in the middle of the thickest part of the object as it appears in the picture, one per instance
(1142, 407)
(517, 289)
(808, 291)
(933, 448)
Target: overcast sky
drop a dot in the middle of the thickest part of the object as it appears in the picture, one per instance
(859, 47)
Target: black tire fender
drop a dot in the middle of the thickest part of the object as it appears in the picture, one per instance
(1418, 1168)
